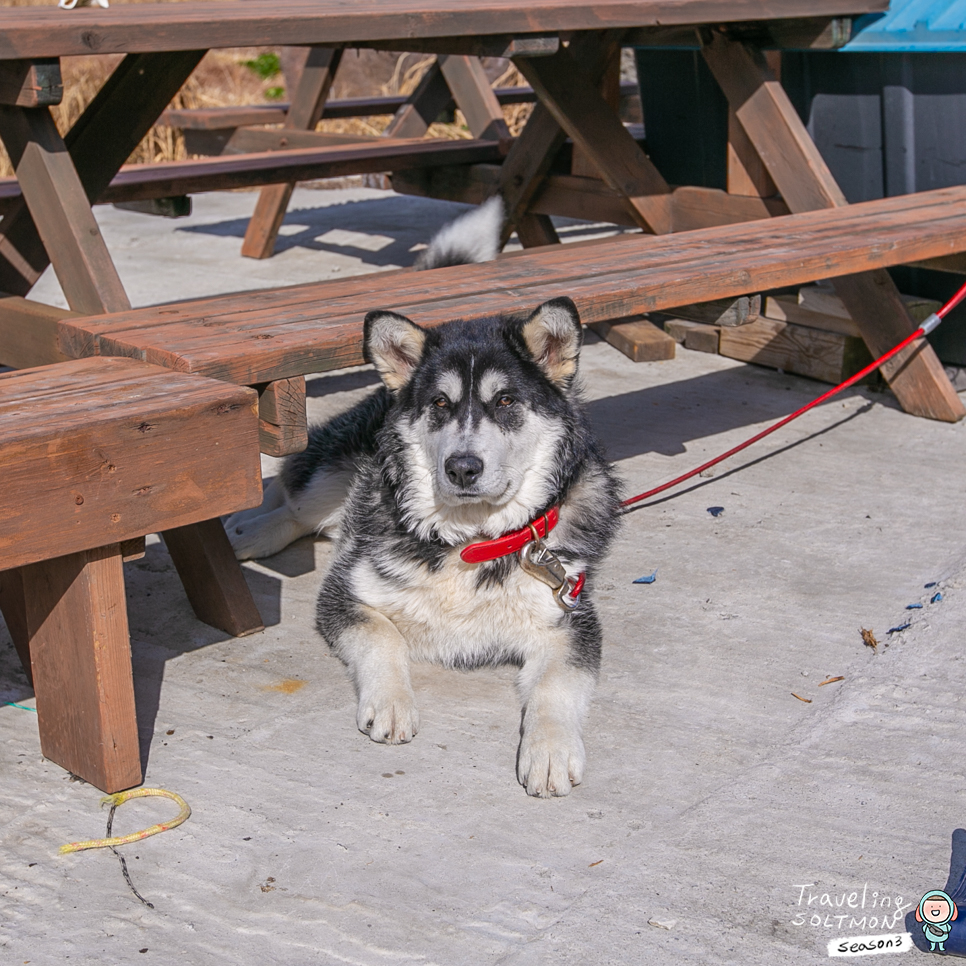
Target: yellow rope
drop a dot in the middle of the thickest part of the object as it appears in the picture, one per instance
(119, 799)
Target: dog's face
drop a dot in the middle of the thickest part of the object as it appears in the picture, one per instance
(480, 408)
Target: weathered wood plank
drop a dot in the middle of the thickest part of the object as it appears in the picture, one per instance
(282, 424)
(80, 653)
(28, 332)
(827, 356)
(114, 449)
(41, 32)
(474, 96)
(13, 606)
(317, 327)
(697, 336)
(637, 338)
(26, 83)
(61, 211)
(730, 312)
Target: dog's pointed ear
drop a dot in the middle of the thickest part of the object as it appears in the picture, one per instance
(394, 345)
(553, 335)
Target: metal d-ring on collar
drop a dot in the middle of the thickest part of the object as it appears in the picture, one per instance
(538, 560)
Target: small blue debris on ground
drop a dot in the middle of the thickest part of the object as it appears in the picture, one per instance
(900, 627)
(936, 598)
(913, 606)
(647, 578)
(716, 511)
(932, 583)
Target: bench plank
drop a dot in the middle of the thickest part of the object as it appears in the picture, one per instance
(258, 337)
(142, 441)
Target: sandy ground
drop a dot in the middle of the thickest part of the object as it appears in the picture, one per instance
(721, 819)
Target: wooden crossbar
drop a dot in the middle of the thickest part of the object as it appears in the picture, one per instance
(256, 337)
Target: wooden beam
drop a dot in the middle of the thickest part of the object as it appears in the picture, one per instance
(31, 83)
(805, 182)
(80, 652)
(61, 211)
(696, 336)
(533, 152)
(431, 97)
(29, 333)
(637, 338)
(572, 98)
(282, 425)
(213, 578)
(307, 104)
(727, 312)
(249, 140)
(13, 606)
(746, 174)
(533, 45)
(100, 141)
(474, 96)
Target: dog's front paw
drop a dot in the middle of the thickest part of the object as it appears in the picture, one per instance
(551, 760)
(391, 717)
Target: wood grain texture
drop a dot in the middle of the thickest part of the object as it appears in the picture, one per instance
(26, 83)
(212, 577)
(746, 172)
(61, 211)
(827, 356)
(474, 96)
(282, 425)
(28, 332)
(31, 32)
(81, 658)
(696, 336)
(273, 334)
(576, 104)
(637, 338)
(100, 141)
(739, 311)
(805, 182)
(113, 449)
(531, 155)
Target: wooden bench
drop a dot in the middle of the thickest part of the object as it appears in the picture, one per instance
(96, 454)
(272, 338)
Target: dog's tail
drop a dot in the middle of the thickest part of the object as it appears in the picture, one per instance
(473, 237)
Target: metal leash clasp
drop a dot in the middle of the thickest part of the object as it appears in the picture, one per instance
(538, 560)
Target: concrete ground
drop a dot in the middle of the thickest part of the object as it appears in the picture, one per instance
(721, 819)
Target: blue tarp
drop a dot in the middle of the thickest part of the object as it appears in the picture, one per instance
(917, 25)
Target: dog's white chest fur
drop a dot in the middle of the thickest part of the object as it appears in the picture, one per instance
(446, 617)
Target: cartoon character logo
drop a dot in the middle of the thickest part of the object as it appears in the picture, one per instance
(936, 912)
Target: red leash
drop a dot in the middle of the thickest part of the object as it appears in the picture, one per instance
(927, 326)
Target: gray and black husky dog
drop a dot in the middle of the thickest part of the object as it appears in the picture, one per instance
(477, 434)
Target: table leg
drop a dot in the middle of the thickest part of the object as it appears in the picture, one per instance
(304, 113)
(431, 97)
(101, 140)
(798, 170)
(13, 606)
(474, 96)
(213, 578)
(80, 653)
(61, 211)
(528, 163)
(575, 102)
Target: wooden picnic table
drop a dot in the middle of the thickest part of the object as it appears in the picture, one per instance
(770, 149)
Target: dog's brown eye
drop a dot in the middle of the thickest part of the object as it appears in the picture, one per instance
(440, 402)
(505, 401)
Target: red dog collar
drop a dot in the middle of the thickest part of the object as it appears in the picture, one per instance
(566, 589)
(510, 542)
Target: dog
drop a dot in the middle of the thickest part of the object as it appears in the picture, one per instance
(479, 504)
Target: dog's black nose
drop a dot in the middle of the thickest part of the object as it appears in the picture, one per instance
(465, 470)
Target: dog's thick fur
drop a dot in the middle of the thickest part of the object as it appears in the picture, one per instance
(477, 431)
